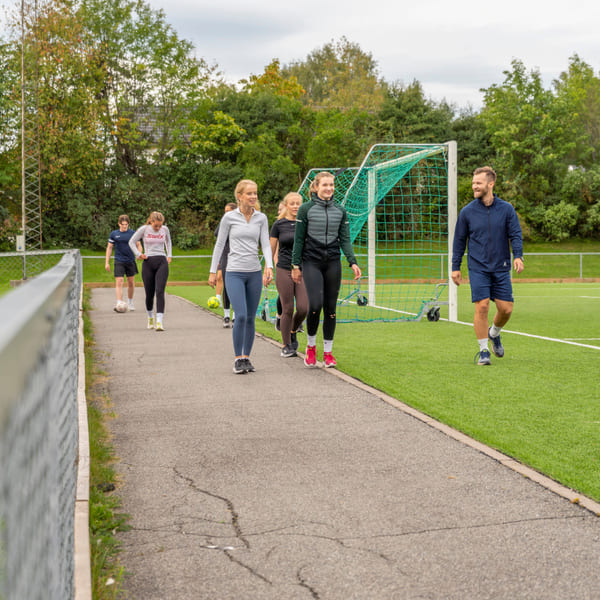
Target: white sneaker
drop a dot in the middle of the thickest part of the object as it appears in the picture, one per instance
(159, 326)
(131, 306)
(150, 323)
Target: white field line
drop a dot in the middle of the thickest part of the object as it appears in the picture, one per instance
(539, 337)
(568, 341)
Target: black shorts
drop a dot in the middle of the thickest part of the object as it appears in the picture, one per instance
(125, 269)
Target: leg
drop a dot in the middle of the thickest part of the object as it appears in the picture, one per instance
(301, 305)
(119, 288)
(219, 286)
(285, 287)
(313, 281)
(130, 287)
(253, 292)
(235, 285)
(504, 311)
(480, 320)
(333, 279)
(162, 274)
(149, 284)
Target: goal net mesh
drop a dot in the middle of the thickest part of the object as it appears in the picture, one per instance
(397, 204)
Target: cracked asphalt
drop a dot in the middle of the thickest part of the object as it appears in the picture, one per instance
(292, 483)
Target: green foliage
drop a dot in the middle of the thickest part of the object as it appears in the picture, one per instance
(530, 132)
(338, 75)
(105, 518)
(406, 116)
(559, 220)
(131, 121)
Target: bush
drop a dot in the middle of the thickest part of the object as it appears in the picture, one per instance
(559, 220)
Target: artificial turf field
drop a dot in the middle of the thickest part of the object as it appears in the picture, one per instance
(539, 404)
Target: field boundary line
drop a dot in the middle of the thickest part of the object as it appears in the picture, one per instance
(539, 337)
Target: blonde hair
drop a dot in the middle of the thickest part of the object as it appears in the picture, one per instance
(321, 175)
(241, 186)
(283, 205)
(155, 216)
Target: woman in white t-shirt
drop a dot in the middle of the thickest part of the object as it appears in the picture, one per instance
(157, 254)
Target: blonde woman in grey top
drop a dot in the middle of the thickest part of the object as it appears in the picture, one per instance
(245, 228)
(156, 240)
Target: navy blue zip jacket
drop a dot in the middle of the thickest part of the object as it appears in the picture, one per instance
(488, 230)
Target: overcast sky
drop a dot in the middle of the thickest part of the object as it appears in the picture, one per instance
(452, 48)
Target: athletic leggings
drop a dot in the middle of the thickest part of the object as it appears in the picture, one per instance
(225, 295)
(244, 290)
(155, 272)
(288, 290)
(322, 283)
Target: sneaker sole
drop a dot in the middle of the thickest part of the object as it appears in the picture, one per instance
(310, 366)
(329, 366)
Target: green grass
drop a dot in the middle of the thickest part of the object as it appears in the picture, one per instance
(105, 518)
(540, 404)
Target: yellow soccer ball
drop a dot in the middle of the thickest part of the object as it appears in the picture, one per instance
(213, 302)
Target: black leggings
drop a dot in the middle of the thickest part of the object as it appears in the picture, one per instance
(322, 283)
(155, 272)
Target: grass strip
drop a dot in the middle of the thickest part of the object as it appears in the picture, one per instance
(105, 518)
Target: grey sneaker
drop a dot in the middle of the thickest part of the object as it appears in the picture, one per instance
(239, 366)
(497, 347)
(483, 357)
(248, 366)
(288, 351)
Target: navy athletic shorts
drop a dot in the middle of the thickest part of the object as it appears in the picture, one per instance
(495, 286)
(125, 269)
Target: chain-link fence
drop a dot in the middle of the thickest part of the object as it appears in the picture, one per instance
(39, 433)
(19, 267)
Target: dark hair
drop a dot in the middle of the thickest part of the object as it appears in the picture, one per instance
(123, 219)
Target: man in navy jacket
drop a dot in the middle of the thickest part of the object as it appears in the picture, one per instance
(491, 227)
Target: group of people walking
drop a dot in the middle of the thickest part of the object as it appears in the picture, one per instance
(152, 244)
(304, 246)
(307, 241)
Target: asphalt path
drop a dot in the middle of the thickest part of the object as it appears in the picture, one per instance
(300, 483)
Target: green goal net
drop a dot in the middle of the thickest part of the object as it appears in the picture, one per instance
(401, 204)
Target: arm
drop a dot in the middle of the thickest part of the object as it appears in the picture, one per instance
(222, 237)
(345, 242)
(109, 249)
(300, 234)
(274, 247)
(168, 245)
(134, 243)
(516, 241)
(266, 248)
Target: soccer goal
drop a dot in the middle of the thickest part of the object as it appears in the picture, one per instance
(401, 204)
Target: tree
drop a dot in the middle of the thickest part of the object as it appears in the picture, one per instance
(150, 79)
(406, 116)
(338, 75)
(273, 80)
(579, 90)
(531, 133)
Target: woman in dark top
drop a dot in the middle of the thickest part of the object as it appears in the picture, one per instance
(282, 243)
(322, 231)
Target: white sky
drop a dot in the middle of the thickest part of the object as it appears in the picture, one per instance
(452, 48)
